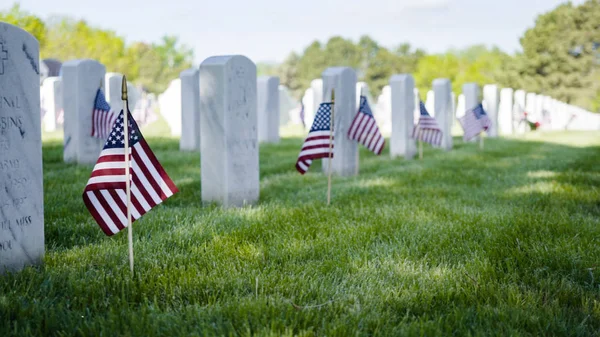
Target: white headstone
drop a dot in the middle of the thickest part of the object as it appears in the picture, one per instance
(519, 108)
(384, 111)
(471, 92)
(51, 99)
(228, 129)
(268, 109)
(363, 87)
(530, 104)
(460, 106)
(444, 115)
(417, 112)
(539, 107)
(190, 110)
(286, 107)
(81, 80)
(113, 91)
(490, 96)
(133, 96)
(21, 177)
(170, 106)
(430, 102)
(317, 92)
(403, 106)
(343, 80)
(505, 112)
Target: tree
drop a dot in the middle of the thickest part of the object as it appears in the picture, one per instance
(560, 54)
(29, 22)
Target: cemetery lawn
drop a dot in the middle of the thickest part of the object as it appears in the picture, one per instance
(500, 242)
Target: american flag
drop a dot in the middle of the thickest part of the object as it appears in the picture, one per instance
(364, 128)
(474, 122)
(316, 144)
(105, 196)
(427, 129)
(103, 117)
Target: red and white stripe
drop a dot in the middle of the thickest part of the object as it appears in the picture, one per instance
(365, 131)
(315, 146)
(471, 125)
(102, 122)
(428, 131)
(105, 196)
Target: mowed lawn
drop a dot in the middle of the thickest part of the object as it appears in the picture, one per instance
(500, 242)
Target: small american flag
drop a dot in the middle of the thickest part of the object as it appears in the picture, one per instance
(364, 128)
(103, 117)
(427, 129)
(316, 144)
(105, 196)
(474, 122)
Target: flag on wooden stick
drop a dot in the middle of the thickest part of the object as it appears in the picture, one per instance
(474, 122)
(364, 128)
(427, 129)
(104, 195)
(317, 143)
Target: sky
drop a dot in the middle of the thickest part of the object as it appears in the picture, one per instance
(268, 30)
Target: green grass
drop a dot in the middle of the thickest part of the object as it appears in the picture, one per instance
(466, 243)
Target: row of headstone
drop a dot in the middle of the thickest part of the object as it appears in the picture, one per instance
(180, 107)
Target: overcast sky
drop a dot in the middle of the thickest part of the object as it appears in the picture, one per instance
(268, 30)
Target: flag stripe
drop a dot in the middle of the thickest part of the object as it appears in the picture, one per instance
(364, 128)
(105, 195)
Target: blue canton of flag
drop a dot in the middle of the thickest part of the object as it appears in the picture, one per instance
(103, 117)
(474, 122)
(364, 128)
(427, 129)
(317, 143)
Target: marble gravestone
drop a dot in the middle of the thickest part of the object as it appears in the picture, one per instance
(383, 111)
(113, 91)
(307, 102)
(317, 91)
(170, 106)
(442, 106)
(51, 101)
(471, 92)
(430, 102)
(343, 81)
(81, 80)
(505, 112)
(268, 109)
(228, 131)
(286, 106)
(460, 106)
(403, 106)
(21, 176)
(417, 112)
(490, 96)
(530, 99)
(190, 110)
(518, 110)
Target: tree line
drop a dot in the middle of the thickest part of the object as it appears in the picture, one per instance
(560, 57)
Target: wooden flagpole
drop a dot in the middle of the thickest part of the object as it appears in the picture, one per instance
(127, 170)
(481, 140)
(330, 146)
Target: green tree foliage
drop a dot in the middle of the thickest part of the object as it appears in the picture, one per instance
(374, 64)
(63, 38)
(561, 56)
(31, 23)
